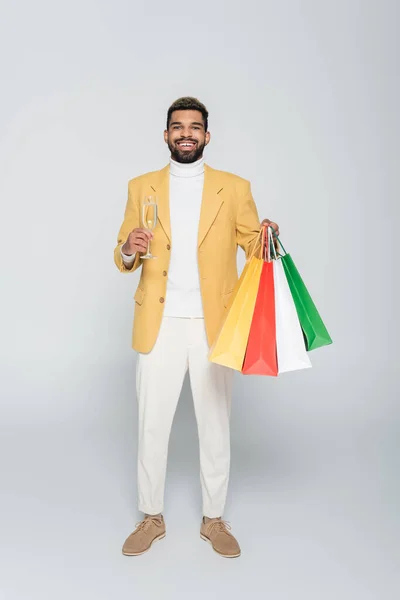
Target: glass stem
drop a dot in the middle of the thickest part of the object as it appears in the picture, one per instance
(148, 247)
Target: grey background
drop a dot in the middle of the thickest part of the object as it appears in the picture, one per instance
(303, 100)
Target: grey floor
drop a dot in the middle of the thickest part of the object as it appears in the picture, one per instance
(313, 501)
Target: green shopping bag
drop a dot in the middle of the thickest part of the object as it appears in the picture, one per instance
(315, 332)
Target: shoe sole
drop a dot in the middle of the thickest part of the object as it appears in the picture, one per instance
(206, 539)
(160, 537)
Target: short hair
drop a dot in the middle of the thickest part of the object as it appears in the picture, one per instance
(188, 103)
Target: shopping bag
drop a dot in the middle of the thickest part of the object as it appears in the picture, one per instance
(290, 346)
(261, 358)
(230, 345)
(315, 332)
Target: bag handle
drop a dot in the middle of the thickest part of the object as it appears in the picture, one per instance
(267, 244)
(262, 248)
(266, 233)
(270, 244)
(253, 248)
(278, 240)
(265, 250)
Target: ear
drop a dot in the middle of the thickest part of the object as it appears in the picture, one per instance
(208, 137)
(166, 136)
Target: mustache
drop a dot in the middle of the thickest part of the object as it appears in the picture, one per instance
(185, 140)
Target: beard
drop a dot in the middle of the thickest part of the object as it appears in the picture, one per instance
(183, 156)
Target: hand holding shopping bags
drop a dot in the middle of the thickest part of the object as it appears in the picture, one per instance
(271, 320)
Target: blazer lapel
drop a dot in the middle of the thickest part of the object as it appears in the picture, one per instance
(210, 205)
(211, 202)
(161, 187)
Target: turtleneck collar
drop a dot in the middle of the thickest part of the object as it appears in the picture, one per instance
(186, 169)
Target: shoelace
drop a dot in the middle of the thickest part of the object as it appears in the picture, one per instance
(219, 525)
(147, 521)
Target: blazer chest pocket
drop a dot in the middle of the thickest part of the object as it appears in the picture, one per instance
(139, 295)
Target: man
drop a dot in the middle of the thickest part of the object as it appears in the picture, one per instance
(203, 215)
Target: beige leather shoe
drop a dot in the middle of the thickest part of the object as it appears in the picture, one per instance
(216, 533)
(149, 530)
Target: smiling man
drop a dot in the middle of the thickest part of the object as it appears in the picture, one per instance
(203, 216)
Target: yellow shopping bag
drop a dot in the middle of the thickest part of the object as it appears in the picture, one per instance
(229, 348)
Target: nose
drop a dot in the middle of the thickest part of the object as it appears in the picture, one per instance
(185, 133)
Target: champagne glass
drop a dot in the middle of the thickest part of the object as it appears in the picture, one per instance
(149, 218)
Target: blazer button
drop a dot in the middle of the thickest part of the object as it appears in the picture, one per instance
(161, 300)
(168, 247)
(164, 273)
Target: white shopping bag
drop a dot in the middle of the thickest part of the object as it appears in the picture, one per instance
(290, 345)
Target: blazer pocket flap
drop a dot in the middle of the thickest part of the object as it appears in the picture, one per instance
(139, 295)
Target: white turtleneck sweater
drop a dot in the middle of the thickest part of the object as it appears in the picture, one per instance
(183, 296)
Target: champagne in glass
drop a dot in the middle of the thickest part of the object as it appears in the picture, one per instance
(149, 218)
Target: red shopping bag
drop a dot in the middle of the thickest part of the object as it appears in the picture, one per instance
(261, 358)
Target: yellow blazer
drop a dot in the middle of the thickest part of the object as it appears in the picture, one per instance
(228, 219)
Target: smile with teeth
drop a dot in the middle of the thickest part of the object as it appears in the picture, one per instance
(186, 145)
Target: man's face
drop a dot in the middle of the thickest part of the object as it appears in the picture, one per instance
(186, 137)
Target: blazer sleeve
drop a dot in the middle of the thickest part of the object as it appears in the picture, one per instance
(248, 224)
(130, 222)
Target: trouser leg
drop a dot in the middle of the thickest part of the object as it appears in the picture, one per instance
(212, 395)
(159, 379)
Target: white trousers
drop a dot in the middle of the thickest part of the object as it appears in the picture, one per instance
(181, 345)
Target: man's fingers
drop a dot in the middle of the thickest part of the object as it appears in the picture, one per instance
(140, 247)
(275, 228)
(141, 241)
(140, 237)
(149, 234)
